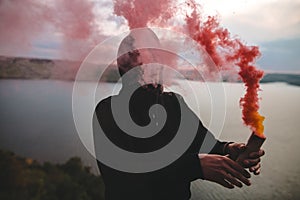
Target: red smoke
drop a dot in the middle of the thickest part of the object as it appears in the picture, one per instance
(140, 12)
(229, 54)
(21, 21)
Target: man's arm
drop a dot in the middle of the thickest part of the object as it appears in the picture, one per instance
(201, 159)
(207, 155)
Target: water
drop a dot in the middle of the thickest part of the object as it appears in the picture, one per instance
(36, 121)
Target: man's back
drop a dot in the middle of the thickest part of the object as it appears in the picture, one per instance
(171, 182)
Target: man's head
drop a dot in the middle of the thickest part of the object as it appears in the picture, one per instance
(133, 50)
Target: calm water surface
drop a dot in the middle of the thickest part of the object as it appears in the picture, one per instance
(36, 121)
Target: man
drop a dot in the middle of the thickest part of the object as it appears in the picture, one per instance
(173, 181)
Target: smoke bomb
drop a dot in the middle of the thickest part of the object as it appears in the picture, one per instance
(253, 144)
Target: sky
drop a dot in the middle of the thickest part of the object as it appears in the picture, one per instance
(273, 25)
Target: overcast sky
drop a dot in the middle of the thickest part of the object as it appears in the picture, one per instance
(274, 25)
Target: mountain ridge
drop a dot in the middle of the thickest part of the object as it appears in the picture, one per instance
(37, 68)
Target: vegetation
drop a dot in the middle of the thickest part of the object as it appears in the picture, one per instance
(26, 179)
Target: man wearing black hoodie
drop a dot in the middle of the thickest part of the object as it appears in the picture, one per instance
(172, 181)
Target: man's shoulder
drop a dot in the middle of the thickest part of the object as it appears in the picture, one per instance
(172, 95)
(103, 104)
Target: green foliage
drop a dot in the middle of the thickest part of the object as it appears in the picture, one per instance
(26, 179)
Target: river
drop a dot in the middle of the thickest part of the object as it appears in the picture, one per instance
(36, 121)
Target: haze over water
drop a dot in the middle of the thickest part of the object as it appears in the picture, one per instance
(36, 121)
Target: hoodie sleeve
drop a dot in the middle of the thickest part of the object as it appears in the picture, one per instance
(204, 142)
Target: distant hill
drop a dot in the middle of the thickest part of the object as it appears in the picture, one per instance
(292, 79)
(25, 68)
(32, 68)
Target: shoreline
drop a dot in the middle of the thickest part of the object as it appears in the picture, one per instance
(47, 69)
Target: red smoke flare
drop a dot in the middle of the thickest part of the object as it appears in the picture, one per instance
(227, 53)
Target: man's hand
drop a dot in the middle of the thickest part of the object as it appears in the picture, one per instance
(252, 162)
(223, 170)
(254, 157)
